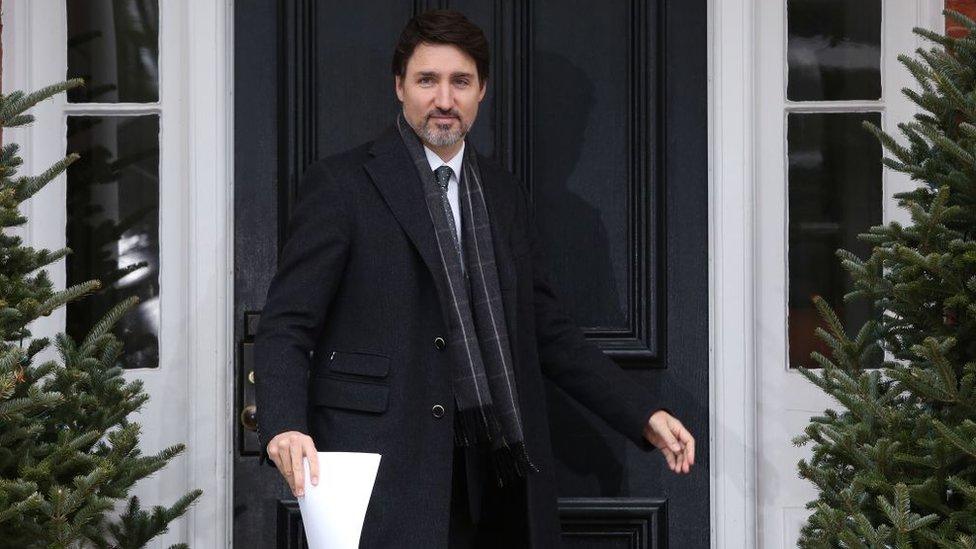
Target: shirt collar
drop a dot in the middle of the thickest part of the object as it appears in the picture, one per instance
(436, 162)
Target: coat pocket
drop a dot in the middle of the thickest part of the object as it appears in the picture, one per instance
(358, 363)
(338, 392)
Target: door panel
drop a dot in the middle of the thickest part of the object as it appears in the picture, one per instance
(586, 111)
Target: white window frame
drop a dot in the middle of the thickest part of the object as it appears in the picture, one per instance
(191, 394)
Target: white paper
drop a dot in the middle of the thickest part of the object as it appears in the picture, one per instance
(333, 511)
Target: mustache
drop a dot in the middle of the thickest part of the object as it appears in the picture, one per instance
(453, 113)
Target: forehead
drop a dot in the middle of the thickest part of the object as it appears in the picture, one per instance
(440, 58)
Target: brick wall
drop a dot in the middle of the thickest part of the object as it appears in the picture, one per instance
(1, 61)
(966, 7)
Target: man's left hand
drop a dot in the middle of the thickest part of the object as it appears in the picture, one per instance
(668, 434)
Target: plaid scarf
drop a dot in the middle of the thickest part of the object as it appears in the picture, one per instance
(484, 384)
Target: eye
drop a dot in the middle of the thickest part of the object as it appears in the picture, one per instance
(426, 80)
(462, 83)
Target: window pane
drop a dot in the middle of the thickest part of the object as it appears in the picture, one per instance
(834, 193)
(833, 50)
(114, 46)
(113, 224)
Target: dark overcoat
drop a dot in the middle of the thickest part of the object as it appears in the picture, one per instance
(349, 347)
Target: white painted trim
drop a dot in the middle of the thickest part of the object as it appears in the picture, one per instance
(37, 63)
(209, 70)
(732, 386)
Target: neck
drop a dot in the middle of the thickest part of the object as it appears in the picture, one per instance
(446, 152)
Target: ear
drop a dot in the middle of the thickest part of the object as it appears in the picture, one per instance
(484, 90)
(398, 85)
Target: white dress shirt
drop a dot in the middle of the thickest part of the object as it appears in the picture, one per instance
(452, 185)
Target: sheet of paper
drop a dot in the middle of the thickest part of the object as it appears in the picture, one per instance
(333, 511)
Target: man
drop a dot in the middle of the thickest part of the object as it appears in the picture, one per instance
(411, 316)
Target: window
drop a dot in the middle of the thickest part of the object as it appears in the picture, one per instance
(834, 170)
(113, 190)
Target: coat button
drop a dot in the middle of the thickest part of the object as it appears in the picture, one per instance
(437, 411)
(439, 343)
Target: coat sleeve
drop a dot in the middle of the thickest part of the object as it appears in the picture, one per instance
(310, 266)
(574, 363)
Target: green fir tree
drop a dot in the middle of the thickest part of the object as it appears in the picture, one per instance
(68, 453)
(897, 467)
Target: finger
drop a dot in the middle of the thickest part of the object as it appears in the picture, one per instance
(669, 456)
(273, 454)
(668, 437)
(296, 467)
(682, 459)
(689, 447)
(313, 460)
(678, 461)
(284, 463)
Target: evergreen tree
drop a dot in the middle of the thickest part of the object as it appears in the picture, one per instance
(897, 467)
(68, 453)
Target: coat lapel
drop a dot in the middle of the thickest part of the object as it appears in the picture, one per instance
(396, 178)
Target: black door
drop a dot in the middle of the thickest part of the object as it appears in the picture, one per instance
(600, 107)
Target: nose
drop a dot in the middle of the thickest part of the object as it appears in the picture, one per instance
(444, 100)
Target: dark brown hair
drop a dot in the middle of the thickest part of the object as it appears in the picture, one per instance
(442, 27)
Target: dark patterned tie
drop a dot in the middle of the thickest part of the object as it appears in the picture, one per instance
(443, 175)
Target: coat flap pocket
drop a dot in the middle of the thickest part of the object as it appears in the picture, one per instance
(361, 363)
(348, 393)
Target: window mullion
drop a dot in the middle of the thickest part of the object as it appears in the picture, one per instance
(834, 106)
(112, 109)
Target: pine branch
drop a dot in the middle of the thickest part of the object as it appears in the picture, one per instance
(136, 527)
(27, 187)
(13, 105)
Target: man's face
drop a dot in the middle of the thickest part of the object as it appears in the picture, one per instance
(440, 92)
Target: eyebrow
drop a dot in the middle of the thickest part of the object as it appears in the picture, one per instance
(435, 74)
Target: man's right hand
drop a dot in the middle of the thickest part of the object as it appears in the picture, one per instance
(286, 451)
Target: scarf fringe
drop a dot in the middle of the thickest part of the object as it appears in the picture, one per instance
(511, 463)
(477, 426)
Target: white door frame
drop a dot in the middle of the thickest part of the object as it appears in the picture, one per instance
(191, 393)
(731, 375)
(210, 139)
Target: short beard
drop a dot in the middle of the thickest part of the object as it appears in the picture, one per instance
(431, 134)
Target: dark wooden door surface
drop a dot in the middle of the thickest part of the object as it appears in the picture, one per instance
(600, 107)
